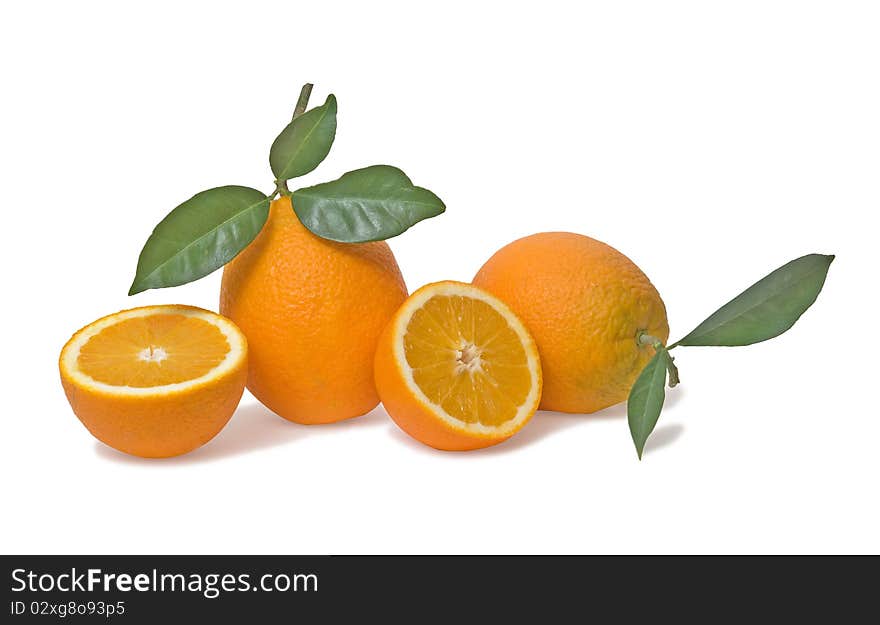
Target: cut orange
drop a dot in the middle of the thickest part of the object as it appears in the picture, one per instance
(456, 369)
(155, 381)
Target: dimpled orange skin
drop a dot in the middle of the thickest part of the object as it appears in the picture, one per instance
(159, 427)
(312, 311)
(585, 304)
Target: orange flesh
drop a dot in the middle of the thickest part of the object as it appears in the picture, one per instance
(153, 351)
(466, 358)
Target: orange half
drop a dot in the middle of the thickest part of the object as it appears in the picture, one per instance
(456, 369)
(155, 381)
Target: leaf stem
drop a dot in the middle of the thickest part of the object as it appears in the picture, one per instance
(303, 101)
(646, 339)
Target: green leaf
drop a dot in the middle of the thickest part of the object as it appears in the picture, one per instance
(305, 142)
(370, 204)
(646, 399)
(767, 308)
(199, 236)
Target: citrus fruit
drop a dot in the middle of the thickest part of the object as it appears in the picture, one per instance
(586, 304)
(155, 381)
(456, 369)
(312, 310)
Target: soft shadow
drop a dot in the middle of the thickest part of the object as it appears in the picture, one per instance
(673, 396)
(546, 423)
(253, 427)
(664, 436)
(376, 417)
(408, 441)
(542, 425)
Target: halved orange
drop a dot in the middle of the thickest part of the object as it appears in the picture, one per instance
(456, 369)
(155, 381)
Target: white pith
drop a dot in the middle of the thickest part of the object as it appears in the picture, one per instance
(153, 354)
(454, 289)
(467, 358)
(233, 336)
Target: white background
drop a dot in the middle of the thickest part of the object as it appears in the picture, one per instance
(711, 142)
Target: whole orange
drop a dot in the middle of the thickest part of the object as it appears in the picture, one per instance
(586, 305)
(312, 311)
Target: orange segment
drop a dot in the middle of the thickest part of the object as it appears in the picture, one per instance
(476, 376)
(456, 369)
(153, 351)
(155, 381)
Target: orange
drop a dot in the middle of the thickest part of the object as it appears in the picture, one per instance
(312, 310)
(155, 381)
(456, 369)
(586, 304)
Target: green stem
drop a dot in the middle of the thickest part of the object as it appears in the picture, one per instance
(646, 339)
(303, 101)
